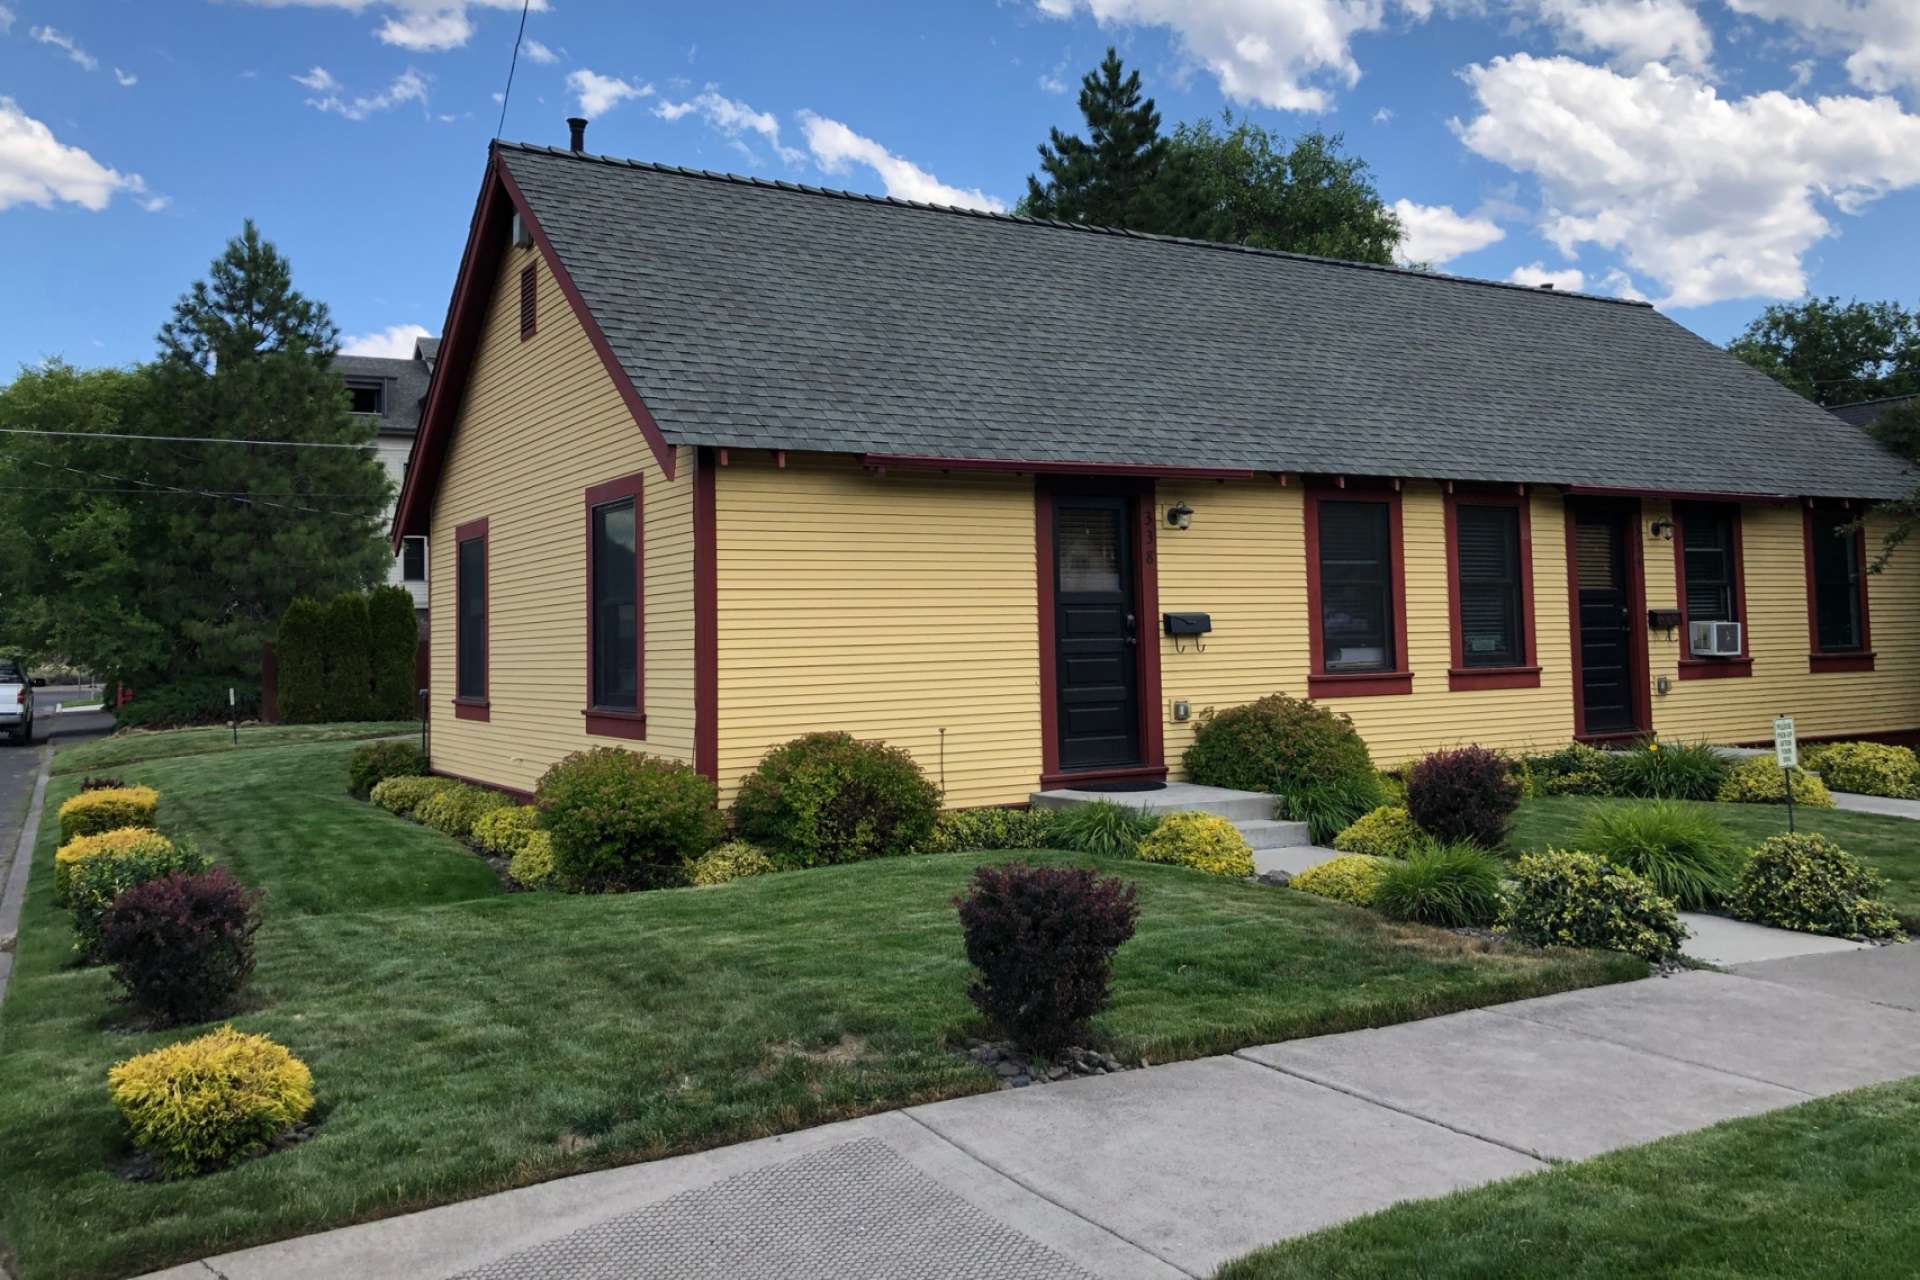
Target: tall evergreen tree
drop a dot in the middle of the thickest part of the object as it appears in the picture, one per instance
(1109, 178)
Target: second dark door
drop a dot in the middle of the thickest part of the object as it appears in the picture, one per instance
(1096, 632)
(1606, 621)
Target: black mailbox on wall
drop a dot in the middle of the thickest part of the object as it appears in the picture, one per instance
(1663, 619)
(1187, 624)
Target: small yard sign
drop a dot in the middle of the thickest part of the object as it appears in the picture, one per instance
(1786, 748)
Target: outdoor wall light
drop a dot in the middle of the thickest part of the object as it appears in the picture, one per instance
(1662, 529)
(1179, 516)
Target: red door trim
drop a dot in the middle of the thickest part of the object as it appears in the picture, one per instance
(1629, 508)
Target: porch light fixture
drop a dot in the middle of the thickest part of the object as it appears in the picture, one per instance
(1179, 516)
(1661, 529)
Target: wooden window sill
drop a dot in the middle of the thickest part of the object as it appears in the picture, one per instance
(1116, 773)
(608, 722)
(1715, 668)
(1466, 678)
(1819, 662)
(1358, 684)
(472, 709)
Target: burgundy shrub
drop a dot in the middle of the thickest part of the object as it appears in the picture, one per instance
(1043, 940)
(1468, 794)
(182, 946)
(97, 783)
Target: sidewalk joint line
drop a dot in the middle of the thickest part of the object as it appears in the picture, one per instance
(1032, 1190)
(1652, 1053)
(1383, 1104)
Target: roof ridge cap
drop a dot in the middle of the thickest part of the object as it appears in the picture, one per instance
(1083, 228)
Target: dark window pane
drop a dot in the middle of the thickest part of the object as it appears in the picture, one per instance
(616, 656)
(1488, 546)
(1356, 587)
(1707, 550)
(365, 397)
(413, 560)
(1836, 580)
(1089, 550)
(470, 608)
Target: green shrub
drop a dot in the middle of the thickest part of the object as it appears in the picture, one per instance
(1200, 841)
(503, 832)
(532, 865)
(1573, 770)
(1386, 832)
(1331, 806)
(1466, 794)
(622, 820)
(453, 810)
(1809, 883)
(190, 700)
(1563, 898)
(734, 860)
(204, 1104)
(1684, 851)
(1868, 769)
(825, 798)
(300, 657)
(375, 762)
(1285, 746)
(1758, 780)
(1103, 828)
(964, 830)
(107, 809)
(118, 843)
(394, 634)
(401, 796)
(1655, 770)
(1581, 782)
(93, 883)
(1351, 877)
(1393, 787)
(1451, 885)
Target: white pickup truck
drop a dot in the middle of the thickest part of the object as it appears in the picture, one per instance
(16, 701)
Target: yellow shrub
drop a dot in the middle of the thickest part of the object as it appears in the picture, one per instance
(107, 809)
(734, 860)
(1387, 832)
(1352, 877)
(1200, 841)
(203, 1104)
(532, 866)
(1867, 768)
(1759, 781)
(503, 832)
(123, 842)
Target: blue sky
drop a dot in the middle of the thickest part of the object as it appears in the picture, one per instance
(1712, 155)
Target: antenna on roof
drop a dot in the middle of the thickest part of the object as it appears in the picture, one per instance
(508, 91)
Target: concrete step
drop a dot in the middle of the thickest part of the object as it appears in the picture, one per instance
(1175, 797)
(1292, 860)
(1266, 833)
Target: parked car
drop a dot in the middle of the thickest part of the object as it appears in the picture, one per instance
(16, 701)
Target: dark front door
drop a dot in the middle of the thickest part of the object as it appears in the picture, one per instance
(1606, 621)
(1096, 632)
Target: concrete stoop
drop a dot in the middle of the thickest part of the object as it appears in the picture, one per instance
(1276, 845)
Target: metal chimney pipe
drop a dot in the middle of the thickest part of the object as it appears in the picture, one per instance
(577, 131)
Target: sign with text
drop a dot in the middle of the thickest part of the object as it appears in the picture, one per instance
(1786, 747)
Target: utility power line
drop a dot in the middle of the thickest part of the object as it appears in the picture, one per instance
(204, 493)
(508, 93)
(118, 435)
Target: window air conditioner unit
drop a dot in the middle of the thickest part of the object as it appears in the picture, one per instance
(1714, 639)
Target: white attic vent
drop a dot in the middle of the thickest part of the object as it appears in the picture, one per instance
(522, 235)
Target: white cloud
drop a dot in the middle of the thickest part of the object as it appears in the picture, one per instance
(1436, 233)
(35, 168)
(126, 78)
(61, 40)
(835, 147)
(1055, 81)
(320, 80)
(600, 94)
(408, 86)
(421, 25)
(1712, 197)
(732, 119)
(1882, 37)
(395, 342)
(6, 20)
(540, 53)
(1631, 33)
(1383, 116)
(155, 204)
(1536, 274)
(1620, 285)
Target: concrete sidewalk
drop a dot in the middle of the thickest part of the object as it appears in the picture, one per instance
(1172, 1170)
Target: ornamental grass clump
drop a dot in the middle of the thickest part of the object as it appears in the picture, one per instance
(1200, 841)
(734, 860)
(1868, 769)
(965, 830)
(503, 832)
(181, 946)
(1386, 832)
(1563, 898)
(1351, 877)
(1450, 885)
(107, 809)
(1684, 851)
(1760, 781)
(1288, 747)
(827, 798)
(205, 1104)
(1464, 795)
(1331, 806)
(1042, 942)
(1103, 828)
(1654, 770)
(1809, 883)
(375, 762)
(622, 820)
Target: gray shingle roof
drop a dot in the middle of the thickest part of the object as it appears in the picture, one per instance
(1865, 413)
(406, 388)
(754, 314)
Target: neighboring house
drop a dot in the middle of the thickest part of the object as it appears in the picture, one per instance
(1864, 413)
(712, 462)
(395, 391)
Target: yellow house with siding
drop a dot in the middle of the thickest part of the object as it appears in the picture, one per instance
(710, 462)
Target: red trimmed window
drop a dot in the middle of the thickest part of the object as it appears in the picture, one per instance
(1711, 584)
(616, 704)
(1490, 591)
(1356, 593)
(529, 300)
(470, 638)
(1839, 630)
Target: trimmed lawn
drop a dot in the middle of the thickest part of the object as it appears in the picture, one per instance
(1890, 844)
(131, 748)
(1823, 1189)
(464, 1040)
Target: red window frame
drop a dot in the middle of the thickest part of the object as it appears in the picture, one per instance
(480, 708)
(1692, 668)
(619, 722)
(529, 299)
(1818, 659)
(1322, 683)
(1525, 674)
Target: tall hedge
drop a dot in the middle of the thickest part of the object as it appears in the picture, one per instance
(300, 649)
(396, 637)
(349, 651)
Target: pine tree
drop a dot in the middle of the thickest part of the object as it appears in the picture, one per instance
(1110, 178)
(349, 650)
(299, 652)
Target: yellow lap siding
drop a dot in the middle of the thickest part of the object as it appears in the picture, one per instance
(892, 608)
(541, 422)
